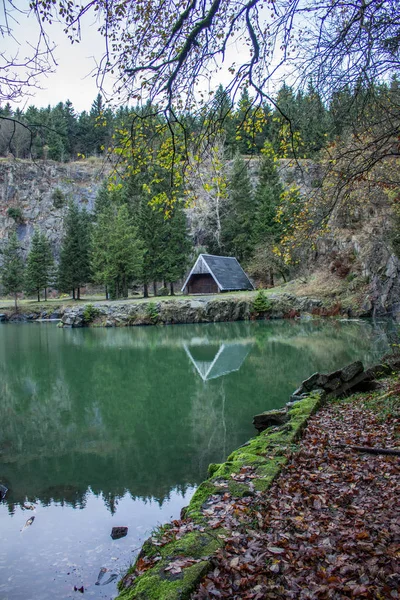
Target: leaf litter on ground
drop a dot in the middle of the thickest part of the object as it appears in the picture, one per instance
(329, 527)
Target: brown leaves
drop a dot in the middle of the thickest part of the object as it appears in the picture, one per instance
(175, 567)
(330, 525)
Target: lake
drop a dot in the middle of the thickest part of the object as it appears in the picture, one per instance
(116, 427)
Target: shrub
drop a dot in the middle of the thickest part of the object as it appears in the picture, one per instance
(261, 303)
(90, 312)
(14, 212)
(152, 312)
(163, 291)
(58, 198)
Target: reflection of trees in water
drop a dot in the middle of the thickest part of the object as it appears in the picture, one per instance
(139, 419)
(208, 422)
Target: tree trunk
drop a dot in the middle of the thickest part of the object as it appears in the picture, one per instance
(15, 300)
(271, 278)
(171, 287)
(155, 288)
(106, 293)
(124, 287)
(73, 294)
(78, 293)
(145, 290)
(38, 295)
(45, 294)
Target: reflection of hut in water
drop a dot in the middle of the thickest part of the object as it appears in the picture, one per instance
(214, 360)
(212, 274)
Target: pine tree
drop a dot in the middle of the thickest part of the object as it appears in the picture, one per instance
(266, 228)
(39, 265)
(176, 246)
(116, 250)
(151, 224)
(267, 199)
(237, 223)
(74, 266)
(313, 122)
(12, 270)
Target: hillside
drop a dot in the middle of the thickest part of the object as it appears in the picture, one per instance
(352, 256)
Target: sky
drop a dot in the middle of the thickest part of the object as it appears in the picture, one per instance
(72, 78)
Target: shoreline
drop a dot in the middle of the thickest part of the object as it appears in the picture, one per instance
(182, 310)
(173, 562)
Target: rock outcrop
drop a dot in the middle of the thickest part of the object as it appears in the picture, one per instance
(37, 194)
(201, 310)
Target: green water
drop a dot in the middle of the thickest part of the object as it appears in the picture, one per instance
(106, 427)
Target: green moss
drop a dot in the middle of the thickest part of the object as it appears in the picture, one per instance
(160, 584)
(266, 454)
(194, 544)
(152, 586)
(203, 492)
(237, 489)
(268, 472)
(213, 468)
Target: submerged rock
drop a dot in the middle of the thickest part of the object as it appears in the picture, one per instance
(118, 532)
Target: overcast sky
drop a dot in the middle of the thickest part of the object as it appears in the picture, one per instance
(72, 79)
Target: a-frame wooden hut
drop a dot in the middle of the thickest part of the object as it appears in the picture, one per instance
(212, 274)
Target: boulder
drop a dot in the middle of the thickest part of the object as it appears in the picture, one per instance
(270, 418)
(309, 383)
(333, 384)
(352, 370)
(118, 532)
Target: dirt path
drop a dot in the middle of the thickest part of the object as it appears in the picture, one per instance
(330, 525)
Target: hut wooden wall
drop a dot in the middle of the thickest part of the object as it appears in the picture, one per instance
(202, 284)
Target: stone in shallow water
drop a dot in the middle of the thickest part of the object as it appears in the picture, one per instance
(118, 532)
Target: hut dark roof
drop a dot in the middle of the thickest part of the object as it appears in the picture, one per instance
(225, 270)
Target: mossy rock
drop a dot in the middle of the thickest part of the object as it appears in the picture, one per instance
(263, 456)
(158, 583)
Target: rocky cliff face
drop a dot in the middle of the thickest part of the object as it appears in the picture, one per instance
(36, 193)
(358, 242)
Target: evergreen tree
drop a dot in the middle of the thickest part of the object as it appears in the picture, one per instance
(101, 123)
(151, 224)
(74, 266)
(237, 223)
(116, 250)
(71, 126)
(285, 122)
(266, 228)
(267, 199)
(313, 121)
(39, 265)
(221, 112)
(176, 246)
(57, 134)
(12, 270)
